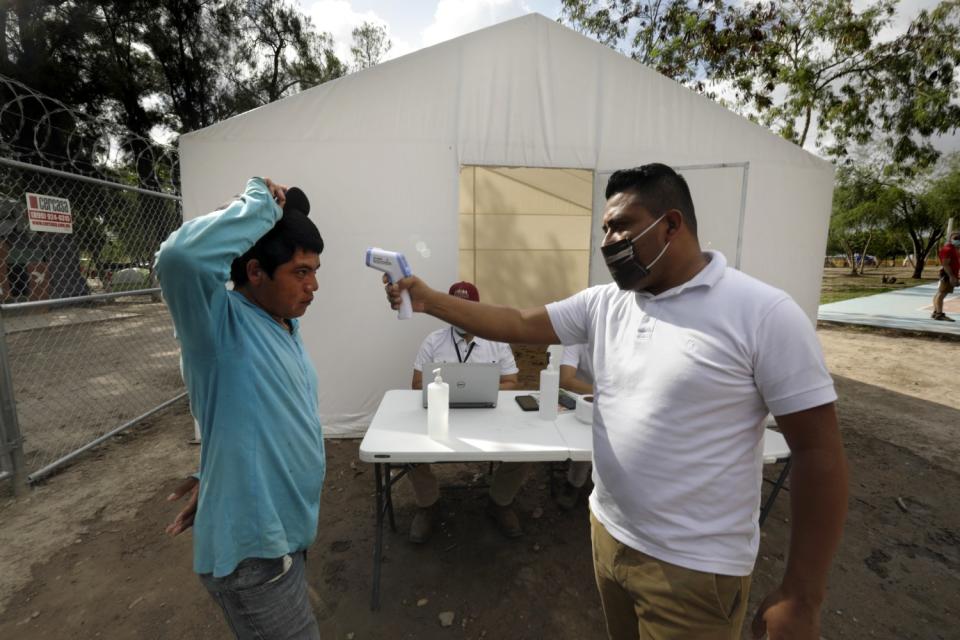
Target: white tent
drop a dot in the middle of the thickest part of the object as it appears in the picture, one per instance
(379, 153)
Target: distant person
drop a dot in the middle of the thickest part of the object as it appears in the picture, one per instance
(949, 273)
(453, 344)
(576, 375)
(253, 390)
(690, 356)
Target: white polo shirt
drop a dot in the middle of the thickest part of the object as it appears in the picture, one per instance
(578, 357)
(684, 380)
(443, 345)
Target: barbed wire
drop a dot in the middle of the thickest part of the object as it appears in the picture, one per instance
(39, 129)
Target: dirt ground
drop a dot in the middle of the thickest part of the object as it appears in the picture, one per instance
(83, 555)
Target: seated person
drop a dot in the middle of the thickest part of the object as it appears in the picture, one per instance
(452, 344)
(576, 375)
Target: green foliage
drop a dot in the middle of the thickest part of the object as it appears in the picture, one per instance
(871, 208)
(802, 67)
(860, 208)
(178, 64)
(370, 45)
(281, 52)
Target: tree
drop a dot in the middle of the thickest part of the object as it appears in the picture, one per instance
(905, 96)
(177, 64)
(45, 45)
(809, 69)
(370, 45)
(194, 44)
(924, 225)
(859, 213)
(294, 56)
(680, 39)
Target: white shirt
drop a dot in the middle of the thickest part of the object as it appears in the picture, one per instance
(443, 345)
(578, 357)
(684, 380)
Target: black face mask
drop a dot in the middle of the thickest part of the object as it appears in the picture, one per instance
(626, 270)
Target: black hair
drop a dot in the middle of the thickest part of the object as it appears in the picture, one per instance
(293, 231)
(657, 188)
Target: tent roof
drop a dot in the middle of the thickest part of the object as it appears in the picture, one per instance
(520, 86)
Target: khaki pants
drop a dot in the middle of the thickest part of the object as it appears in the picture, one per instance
(943, 288)
(506, 482)
(647, 598)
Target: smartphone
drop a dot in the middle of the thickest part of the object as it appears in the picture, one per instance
(567, 401)
(527, 403)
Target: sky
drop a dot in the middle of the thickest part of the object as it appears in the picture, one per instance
(414, 24)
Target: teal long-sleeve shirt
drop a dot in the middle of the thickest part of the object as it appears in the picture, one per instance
(252, 389)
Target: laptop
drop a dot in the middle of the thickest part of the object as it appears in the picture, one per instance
(473, 385)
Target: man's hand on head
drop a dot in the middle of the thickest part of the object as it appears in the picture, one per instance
(278, 191)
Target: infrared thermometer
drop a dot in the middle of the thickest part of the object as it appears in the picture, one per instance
(394, 264)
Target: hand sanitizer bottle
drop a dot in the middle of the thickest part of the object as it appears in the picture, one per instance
(549, 389)
(438, 407)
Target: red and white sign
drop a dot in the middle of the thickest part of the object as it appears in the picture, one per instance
(49, 213)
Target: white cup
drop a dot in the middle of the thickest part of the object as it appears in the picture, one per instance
(584, 410)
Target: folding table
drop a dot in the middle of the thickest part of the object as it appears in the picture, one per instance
(397, 439)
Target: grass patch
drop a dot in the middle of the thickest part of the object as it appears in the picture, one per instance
(852, 292)
(838, 284)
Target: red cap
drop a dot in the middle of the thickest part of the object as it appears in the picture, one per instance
(465, 290)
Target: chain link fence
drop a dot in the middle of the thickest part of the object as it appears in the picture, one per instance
(86, 343)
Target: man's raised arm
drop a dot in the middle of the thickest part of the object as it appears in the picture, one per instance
(193, 263)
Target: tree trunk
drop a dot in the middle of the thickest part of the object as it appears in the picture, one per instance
(848, 253)
(863, 254)
(806, 124)
(932, 241)
(920, 260)
(918, 269)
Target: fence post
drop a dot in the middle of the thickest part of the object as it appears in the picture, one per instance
(11, 444)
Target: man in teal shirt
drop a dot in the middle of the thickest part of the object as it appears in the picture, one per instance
(253, 390)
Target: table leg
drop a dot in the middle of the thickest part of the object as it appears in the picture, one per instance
(390, 481)
(768, 505)
(378, 545)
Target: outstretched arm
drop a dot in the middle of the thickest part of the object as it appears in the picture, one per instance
(493, 322)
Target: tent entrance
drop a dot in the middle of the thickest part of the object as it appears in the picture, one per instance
(525, 232)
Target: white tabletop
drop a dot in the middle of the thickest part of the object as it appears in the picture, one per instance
(398, 433)
(774, 447)
(577, 435)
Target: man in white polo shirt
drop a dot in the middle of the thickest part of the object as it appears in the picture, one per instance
(689, 357)
(453, 344)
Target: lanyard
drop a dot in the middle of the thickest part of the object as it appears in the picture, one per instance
(457, 347)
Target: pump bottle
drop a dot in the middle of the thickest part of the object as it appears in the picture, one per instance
(438, 408)
(549, 388)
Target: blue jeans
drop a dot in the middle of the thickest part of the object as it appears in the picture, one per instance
(261, 601)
